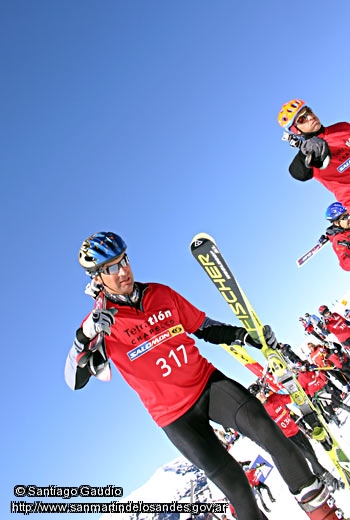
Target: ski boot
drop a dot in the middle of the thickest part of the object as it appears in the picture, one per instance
(318, 503)
(331, 483)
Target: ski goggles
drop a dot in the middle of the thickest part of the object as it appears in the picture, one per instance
(114, 268)
(303, 116)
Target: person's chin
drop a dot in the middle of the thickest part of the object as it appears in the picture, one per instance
(126, 287)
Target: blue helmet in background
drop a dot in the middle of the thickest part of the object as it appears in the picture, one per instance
(334, 211)
(98, 249)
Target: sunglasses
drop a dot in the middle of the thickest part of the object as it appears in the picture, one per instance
(344, 216)
(304, 116)
(114, 268)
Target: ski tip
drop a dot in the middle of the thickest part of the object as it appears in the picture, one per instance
(199, 238)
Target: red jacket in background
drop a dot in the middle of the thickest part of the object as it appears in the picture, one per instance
(317, 356)
(312, 382)
(336, 324)
(342, 251)
(276, 408)
(337, 359)
(253, 476)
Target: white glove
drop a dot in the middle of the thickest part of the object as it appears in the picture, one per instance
(93, 289)
(99, 320)
(270, 337)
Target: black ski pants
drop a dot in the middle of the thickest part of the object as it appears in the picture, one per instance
(230, 404)
(305, 446)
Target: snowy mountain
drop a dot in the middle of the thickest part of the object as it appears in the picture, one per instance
(176, 481)
(179, 480)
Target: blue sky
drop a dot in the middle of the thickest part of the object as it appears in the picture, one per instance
(156, 120)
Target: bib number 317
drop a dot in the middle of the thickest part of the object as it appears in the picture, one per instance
(180, 359)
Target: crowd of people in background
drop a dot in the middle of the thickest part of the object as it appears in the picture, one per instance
(325, 373)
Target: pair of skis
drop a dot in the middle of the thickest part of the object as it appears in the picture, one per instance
(206, 252)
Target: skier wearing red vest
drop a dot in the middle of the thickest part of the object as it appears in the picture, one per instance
(324, 151)
(336, 324)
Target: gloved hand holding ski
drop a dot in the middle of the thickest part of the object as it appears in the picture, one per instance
(99, 320)
(269, 336)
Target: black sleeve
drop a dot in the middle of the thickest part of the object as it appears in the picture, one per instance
(298, 170)
(82, 377)
(84, 340)
(216, 332)
(77, 377)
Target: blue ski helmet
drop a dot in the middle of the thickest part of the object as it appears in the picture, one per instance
(334, 211)
(98, 249)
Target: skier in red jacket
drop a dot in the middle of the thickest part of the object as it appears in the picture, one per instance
(324, 151)
(336, 324)
(339, 233)
(144, 328)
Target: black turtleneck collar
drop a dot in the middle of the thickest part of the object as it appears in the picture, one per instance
(313, 134)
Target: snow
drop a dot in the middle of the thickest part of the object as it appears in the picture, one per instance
(173, 482)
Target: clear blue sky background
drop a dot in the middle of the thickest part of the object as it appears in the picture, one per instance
(157, 120)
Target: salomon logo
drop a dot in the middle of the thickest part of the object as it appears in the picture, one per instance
(344, 166)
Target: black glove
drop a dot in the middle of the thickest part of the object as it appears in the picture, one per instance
(248, 340)
(95, 360)
(316, 151)
(269, 336)
(323, 239)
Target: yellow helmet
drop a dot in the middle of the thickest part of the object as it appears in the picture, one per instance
(288, 113)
